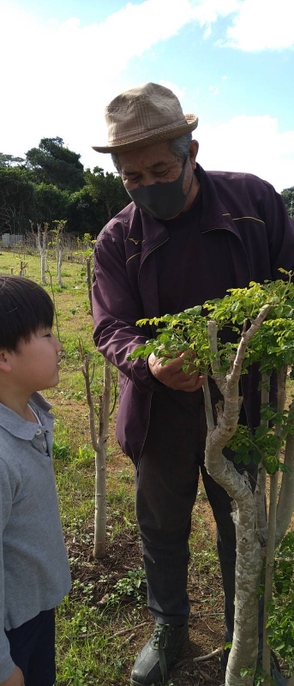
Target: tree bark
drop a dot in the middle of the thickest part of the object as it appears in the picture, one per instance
(249, 555)
(271, 533)
(59, 262)
(249, 551)
(100, 446)
(89, 281)
(100, 467)
(286, 497)
(41, 240)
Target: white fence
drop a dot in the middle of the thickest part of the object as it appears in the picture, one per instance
(9, 240)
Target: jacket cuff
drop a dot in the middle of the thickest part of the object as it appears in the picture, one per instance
(143, 379)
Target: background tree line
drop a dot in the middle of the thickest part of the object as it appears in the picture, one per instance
(51, 185)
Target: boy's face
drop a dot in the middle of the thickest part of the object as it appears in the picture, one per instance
(34, 366)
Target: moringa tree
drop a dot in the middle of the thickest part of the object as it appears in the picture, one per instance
(58, 243)
(99, 429)
(40, 236)
(261, 318)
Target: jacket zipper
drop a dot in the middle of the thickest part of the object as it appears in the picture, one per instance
(151, 392)
(216, 228)
(248, 268)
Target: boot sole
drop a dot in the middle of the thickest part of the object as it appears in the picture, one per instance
(159, 682)
(138, 683)
(171, 664)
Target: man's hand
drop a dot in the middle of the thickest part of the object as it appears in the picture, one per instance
(171, 374)
(15, 679)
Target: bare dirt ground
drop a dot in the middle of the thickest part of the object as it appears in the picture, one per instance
(206, 623)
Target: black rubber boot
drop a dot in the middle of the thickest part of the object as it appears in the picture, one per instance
(159, 654)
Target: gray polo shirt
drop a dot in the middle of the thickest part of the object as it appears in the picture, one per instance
(34, 570)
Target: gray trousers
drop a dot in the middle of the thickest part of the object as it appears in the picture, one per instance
(166, 489)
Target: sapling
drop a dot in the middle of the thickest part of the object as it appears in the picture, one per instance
(99, 437)
(58, 233)
(261, 318)
(40, 237)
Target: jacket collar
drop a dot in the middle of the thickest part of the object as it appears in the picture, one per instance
(214, 213)
(148, 233)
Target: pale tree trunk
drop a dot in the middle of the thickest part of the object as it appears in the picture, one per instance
(249, 561)
(41, 241)
(243, 653)
(286, 496)
(22, 271)
(59, 261)
(100, 464)
(100, 446)
(249, 551)
(260, 493)
(249, 510)
(60, 226)
(280, 512)
(271, 533)
(89, 279)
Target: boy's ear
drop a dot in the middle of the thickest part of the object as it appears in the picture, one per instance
(5, 365)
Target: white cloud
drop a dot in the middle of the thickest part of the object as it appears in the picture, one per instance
(262, 25)
(179, 92)
(206, 12)
(249, 144)
(242, 144)
(58, 76)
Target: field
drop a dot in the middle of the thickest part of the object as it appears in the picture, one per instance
(104, 622)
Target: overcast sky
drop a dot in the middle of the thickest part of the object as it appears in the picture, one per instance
(229, 61)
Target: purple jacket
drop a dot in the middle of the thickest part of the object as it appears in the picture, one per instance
(261, 239)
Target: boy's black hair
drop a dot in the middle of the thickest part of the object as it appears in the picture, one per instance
(25, 307)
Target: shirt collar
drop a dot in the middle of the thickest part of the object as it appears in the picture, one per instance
(19, 427)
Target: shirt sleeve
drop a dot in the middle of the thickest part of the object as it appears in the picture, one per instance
(116, 308)
(6, 496)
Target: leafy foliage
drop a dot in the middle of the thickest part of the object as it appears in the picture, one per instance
(281, 615)
(51, 185)
(106, 191)
(264, 445)
(16, 199)
(179, 333)
(288, 197)
(272, 345)
(53, 163)
(127, 587)
(50, 202)
(9, 160)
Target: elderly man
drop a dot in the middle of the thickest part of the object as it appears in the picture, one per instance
(187, 237)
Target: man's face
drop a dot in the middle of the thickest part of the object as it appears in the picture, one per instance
(153, 164)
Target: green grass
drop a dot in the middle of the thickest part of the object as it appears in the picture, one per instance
(108, 596)
(87, 650)
(103, 623)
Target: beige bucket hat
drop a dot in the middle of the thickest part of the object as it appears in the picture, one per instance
(142, 116)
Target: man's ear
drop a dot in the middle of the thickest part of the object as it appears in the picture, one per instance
(193, 151)
(5, 365)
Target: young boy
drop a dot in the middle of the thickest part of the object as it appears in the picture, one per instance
(34, 572)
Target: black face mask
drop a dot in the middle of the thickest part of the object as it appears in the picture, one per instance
(162, 200)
